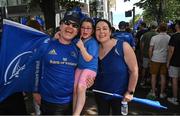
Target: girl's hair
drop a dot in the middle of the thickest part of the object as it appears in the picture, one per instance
(88, 20)
(107, 22)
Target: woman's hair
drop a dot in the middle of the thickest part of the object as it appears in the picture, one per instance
(107, 22)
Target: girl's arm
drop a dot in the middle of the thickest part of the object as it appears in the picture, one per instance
(87, 57)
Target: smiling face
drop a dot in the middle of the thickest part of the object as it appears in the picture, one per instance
(103, 31)
(86, 30)
(68, 30)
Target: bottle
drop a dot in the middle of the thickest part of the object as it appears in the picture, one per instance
(124, 108)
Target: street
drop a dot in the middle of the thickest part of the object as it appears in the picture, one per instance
(136, 108)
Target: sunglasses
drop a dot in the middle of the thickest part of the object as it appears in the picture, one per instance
(67, 22)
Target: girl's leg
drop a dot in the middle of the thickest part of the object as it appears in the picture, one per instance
(81, 97)
(77, 76)
(82, 86)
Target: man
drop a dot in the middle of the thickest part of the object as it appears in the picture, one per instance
(145, 41)
(142, 29)
(158, 55)
(173, 63)
(59, 63)
(123, 35)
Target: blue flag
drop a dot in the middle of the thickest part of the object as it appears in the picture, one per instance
(20, 53)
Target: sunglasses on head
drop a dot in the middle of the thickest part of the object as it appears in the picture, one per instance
(68, 22)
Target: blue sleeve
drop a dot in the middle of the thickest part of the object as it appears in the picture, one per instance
(132, 42)
(93, 48)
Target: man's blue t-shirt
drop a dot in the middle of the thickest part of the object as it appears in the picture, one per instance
(125, 36)
(59, 63)
(92, 48)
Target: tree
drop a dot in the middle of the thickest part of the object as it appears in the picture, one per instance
(69, 5)
(159, 10)
(48, 9)
(93, 8)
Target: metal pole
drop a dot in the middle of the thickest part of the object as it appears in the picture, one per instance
(133, 18)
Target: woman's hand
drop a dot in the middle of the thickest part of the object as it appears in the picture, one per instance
(128, 97)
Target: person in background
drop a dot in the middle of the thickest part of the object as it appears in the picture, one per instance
(117, 70)
(158, 55)
(142, 29)
(128, 28)
(174, 63)
(144, 44)
(123, 35)
(87, 64)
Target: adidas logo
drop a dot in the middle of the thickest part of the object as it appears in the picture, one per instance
(52, 52)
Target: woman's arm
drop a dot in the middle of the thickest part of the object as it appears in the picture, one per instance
(131, 61)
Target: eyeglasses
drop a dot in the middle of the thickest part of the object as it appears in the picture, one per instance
(86, 28)
(67, 22)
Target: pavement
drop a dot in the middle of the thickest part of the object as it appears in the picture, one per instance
(136, 108)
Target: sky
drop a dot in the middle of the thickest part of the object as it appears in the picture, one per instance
(121, 7)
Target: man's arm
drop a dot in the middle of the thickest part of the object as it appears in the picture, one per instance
(170, 53)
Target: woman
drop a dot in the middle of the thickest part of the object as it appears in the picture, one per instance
(118, 70)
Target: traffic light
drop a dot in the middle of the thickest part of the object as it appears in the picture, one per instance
(128, 13)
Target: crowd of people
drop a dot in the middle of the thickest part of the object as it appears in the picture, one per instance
(158, 58)
(86, 54)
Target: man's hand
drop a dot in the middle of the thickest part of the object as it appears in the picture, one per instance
(37, 98)
(90, 82)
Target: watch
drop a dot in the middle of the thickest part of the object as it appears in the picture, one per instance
(131, 92)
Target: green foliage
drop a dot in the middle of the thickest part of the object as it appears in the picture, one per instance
(160, 10)
(68, 5)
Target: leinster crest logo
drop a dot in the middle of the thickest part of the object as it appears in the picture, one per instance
(16, 67)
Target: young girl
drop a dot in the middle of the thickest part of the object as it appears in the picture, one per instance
(87, 64)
